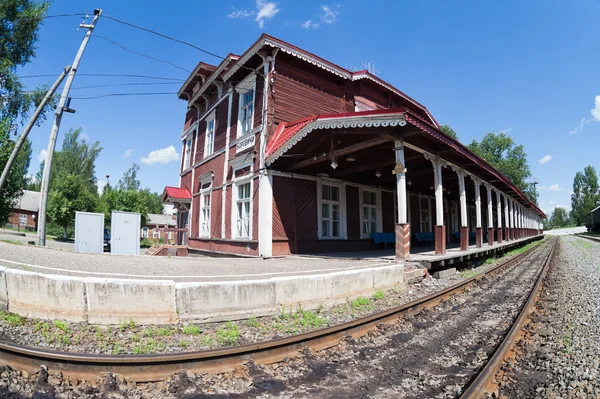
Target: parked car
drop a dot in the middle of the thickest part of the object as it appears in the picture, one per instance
(107, 239)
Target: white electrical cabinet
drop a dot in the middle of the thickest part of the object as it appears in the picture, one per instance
(89, 232)
(125, 233)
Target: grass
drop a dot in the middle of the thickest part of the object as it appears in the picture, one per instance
(12, 242)
(468, 273)
(379, 295)
(490, 261)
(252, 322)
(207, 340)
(124, 325)
(360, 302)
(165, 331)
(567, 342)
(191, 330)
(13, 320)
(228, 334)
(183, 344)
(62, 325)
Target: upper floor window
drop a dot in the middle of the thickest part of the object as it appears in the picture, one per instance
(187, 156)
(209, 142)
(246, 90)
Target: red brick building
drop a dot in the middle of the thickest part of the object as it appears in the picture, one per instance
(24, 213)
(285, 152)
(157, 226)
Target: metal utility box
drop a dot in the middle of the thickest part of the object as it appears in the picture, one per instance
(125, 233)
(89, 232)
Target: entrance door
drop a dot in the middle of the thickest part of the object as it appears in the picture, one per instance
(183, 221)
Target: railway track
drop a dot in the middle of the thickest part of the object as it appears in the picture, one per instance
(144, 368)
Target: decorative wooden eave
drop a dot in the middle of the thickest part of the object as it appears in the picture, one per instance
(201, 71)
(216, 74)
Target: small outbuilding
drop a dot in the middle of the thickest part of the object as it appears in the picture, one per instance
(24, 213)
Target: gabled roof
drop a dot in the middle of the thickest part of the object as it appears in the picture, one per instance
(289, 134)
(177, 193)
(202, 70)
(216, 73)
(267, 40)
(29, 201)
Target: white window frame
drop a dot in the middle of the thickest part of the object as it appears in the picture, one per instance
(249, 83)
(155, 233)
(187, 155)
(378, 211)
(342, 188)
(205, 192)
(22, 219)
(209, 145)
(238, 163)
(144, 232)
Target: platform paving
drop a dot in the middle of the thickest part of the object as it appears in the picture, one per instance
(178, 269)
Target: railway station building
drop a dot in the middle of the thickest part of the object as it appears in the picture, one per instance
(284, 152)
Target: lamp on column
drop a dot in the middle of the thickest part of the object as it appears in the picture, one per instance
(334, 163)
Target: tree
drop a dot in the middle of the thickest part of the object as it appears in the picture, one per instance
(129, 181)
(75, 157)
(502, 153)
(559, 218)
(19, 25)
(447, 130)
(586, 194)
(69, 194)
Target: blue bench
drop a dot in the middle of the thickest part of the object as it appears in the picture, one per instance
(425, 237)
(383, 238)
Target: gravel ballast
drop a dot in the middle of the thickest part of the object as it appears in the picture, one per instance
(560, 357)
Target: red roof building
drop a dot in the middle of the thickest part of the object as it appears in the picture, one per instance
(285, 152)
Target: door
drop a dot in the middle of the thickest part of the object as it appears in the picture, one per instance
(89, 232)
(125, 233)
(183, 223)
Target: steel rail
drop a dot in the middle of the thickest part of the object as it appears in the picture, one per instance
(156, 367)
(484, 381)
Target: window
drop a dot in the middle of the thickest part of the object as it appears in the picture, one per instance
(369, 213)
(243, 210)
(22, 220)
(145, 232)
(209, 142)
(154, 233)
(330, 211)
(246, 90)
(424, 209)
(246, 111)
(187, 155)
(205, 214)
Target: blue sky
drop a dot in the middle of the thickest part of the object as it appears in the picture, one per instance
(529, 68)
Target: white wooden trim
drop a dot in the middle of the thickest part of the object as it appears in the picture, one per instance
(212, 117)
(226, 163)
(265, 215)
(245, 85)
(343, 214)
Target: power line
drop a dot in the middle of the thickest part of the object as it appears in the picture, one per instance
(171, 38)
(125, 84)
(78, 14)
(107, 75)
(142, 54)
(121, 95)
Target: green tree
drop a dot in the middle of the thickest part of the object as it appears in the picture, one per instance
(586, 194)
(446, 129)
(19, 25)
(129, 181)
(69, 194)
(75, 157)
(559, 218)
(502, 153)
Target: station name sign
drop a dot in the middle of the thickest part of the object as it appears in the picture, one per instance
(245, 143)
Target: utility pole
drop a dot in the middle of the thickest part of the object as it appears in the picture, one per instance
(63, 105)
(32, 121)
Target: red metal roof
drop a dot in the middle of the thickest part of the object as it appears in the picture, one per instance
(176, 192)
(287, 131)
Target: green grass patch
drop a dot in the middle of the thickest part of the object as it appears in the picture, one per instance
(12, 242)
(228, 334)
(165, 331)
(13, 320)
(361, 301)
(191, 330)
(252, 322)
(378, 295)
(468, 273)
(490, 261)
(207, 340)
(184, 344)
(62, 325)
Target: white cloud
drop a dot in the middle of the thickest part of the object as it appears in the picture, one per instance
(266, 10)
(545, 159)
(508, 129)
(541, 188)
(128, 153)
(240, 14)
(100, 184)
(595, 112)
(554, 187)
(162, 156)
(330, 13)
(310, 25)
(42, 155)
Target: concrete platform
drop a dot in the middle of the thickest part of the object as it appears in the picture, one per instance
(108, 289)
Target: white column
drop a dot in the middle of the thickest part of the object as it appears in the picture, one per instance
(499, 208)
(477, 203)
(265, 214)
(401, 183)
(489, 206)
(463, 198)
(439, 202)
(506, 220)
(511, 212)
